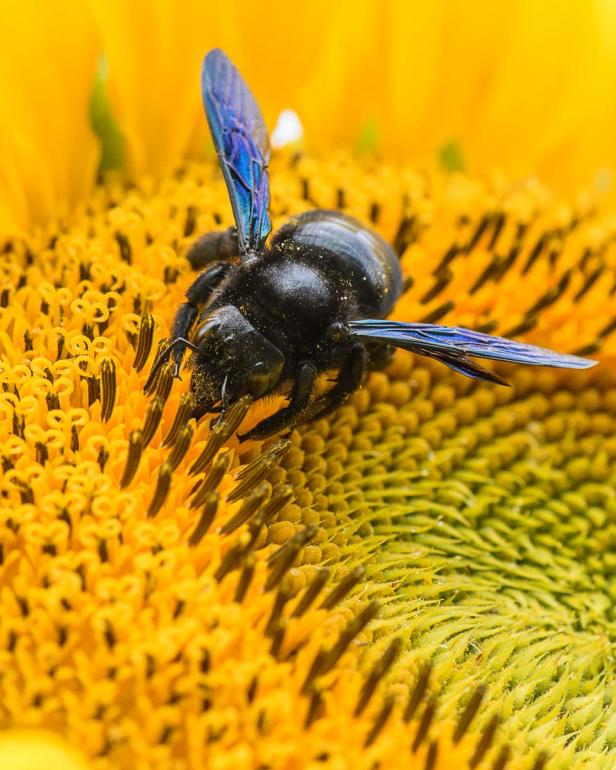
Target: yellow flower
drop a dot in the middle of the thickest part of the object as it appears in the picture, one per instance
(386, 586)
(48, 154)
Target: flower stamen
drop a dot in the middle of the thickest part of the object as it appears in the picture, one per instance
(541, 761)
(181, 445)
(344, 587)
(315, 708)
(424, 724)
(469, 713)
(151, 384)
(162, 489)
(354, 627)
(144, 341)
(282, 560)
(152, 419)
(431, 756)
(486, 740)
(378, 671)
(501, 761)
(253, 501)
(245, 580)
(418, 692)
(108, 388)
(211, 480)
(275, 452)
(438, 313)
(165, 382)
(205, 520)
(282, 497)
(221, 433)
(314, 588)
(380, 721)
(258, 469)
(232, 558)
(135, 450)
(183, 414)
(282, 597)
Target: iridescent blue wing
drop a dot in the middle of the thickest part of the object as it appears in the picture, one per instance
(452, 345)
(241, 141)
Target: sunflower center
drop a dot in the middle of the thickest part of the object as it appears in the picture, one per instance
(181, 593)
(485, 518)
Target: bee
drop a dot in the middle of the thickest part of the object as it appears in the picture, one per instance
(270, 313)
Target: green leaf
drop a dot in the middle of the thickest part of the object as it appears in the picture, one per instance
(104, 123)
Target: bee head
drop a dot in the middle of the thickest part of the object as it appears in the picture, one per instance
(234, 359)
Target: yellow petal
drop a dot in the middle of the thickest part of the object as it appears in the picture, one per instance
(522, 86)
(589, 145)
(538, 90)
(48, 153)
(318, 65)
(154, 52)
(37, 750)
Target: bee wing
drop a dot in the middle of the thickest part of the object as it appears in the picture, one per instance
(453, 345)
(242, 145)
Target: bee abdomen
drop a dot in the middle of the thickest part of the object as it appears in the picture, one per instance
(352, 256)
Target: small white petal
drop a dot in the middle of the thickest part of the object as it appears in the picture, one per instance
(288, 129)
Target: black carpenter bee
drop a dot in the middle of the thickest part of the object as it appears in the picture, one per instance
(266, 317)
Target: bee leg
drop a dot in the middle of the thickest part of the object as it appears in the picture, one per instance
(221, 246)
(199, 293)
(379, 355)
(349, 379)
(201, 289)
(186, 314)
(288, 415)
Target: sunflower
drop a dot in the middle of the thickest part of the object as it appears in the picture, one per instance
(426, 578)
